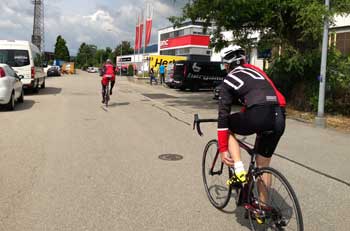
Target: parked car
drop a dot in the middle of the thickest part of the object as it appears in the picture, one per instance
(53, 71)
(11, 88)
(216, 91)
(169, 78)
(92, 70)
(26, 59)
(196, 75)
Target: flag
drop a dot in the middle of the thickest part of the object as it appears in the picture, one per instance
(137, 34)
(140, 31)
(148, 25)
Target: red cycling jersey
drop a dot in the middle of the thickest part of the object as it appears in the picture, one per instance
(108, 70)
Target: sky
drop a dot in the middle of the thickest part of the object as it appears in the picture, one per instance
(100, 22)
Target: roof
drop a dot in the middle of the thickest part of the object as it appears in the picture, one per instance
(17, 42)
(186, 23)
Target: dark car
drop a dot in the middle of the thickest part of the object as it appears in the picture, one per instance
(216, 91)
(53, 71)
(195, 75)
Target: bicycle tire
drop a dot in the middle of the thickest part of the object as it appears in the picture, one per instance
(279, 215)
(218, 194)
(107, 95)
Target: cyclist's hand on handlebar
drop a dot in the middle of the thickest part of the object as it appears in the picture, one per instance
(226, 158)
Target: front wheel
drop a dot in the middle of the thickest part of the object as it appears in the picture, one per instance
(272, 203)
(215, 174)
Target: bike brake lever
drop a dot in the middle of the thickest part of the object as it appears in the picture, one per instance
(196, 124)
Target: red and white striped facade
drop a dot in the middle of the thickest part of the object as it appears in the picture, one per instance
(187, 40)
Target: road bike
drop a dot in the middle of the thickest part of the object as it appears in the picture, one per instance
(269, 200)
(107, 93)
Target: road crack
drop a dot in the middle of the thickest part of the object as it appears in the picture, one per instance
(171, 115)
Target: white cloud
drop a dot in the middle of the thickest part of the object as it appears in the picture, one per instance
(8, 25)
(100, 22)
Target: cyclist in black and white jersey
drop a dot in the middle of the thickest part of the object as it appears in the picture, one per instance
(263, 110)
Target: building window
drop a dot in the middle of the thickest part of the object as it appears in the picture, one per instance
(167, 52)
(343, 43)
(196, 30)
(178, 33)
(182, 51)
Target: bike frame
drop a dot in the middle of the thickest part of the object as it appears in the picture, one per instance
(249, 150)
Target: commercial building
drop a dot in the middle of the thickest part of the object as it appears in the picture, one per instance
(189, 39)
(340, 34)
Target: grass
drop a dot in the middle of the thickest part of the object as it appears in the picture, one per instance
(338, 122)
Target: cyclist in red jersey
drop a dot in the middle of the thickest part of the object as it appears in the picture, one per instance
(107, 71)
(262, 114)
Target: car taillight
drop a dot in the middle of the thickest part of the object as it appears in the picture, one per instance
(2, 72)
(33, 72)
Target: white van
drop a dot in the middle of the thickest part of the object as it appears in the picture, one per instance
(26, 59)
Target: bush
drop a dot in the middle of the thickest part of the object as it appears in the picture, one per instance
(130, 70)
(338, 83)
(296, 75)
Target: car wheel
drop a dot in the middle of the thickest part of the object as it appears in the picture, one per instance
(36, 87)
(11, 104)
(43, 85)
(182, 88)
(195, 87)
(21, 97)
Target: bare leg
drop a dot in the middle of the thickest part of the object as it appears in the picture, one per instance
(234, 149)
(264, 185)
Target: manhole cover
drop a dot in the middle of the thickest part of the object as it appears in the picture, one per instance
(171, 157)
(158, 96)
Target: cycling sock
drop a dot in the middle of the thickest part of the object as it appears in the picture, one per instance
(238, 166)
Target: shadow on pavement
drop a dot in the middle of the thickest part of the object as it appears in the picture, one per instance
(27, 104)
(114, 104)
(195, 101)
(45, 91)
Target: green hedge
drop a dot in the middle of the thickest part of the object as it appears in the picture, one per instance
(296, 75)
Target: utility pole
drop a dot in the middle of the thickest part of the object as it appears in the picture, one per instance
(320, 120)
(121, 54)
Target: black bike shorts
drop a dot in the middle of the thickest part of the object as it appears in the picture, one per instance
(267, 121)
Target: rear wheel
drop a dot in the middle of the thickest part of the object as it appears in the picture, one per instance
(36, 87)
(21, 97)
(107, 96)
(215, 174)
(11, 104)
(195, 87)
(273, 205)
(43, 85)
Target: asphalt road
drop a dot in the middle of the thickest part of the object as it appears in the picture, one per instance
(68, 163)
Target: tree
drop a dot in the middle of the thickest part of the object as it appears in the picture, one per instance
(61, 49)
(292, 29)
(124, 48)
(87, 55)
(285, 23)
